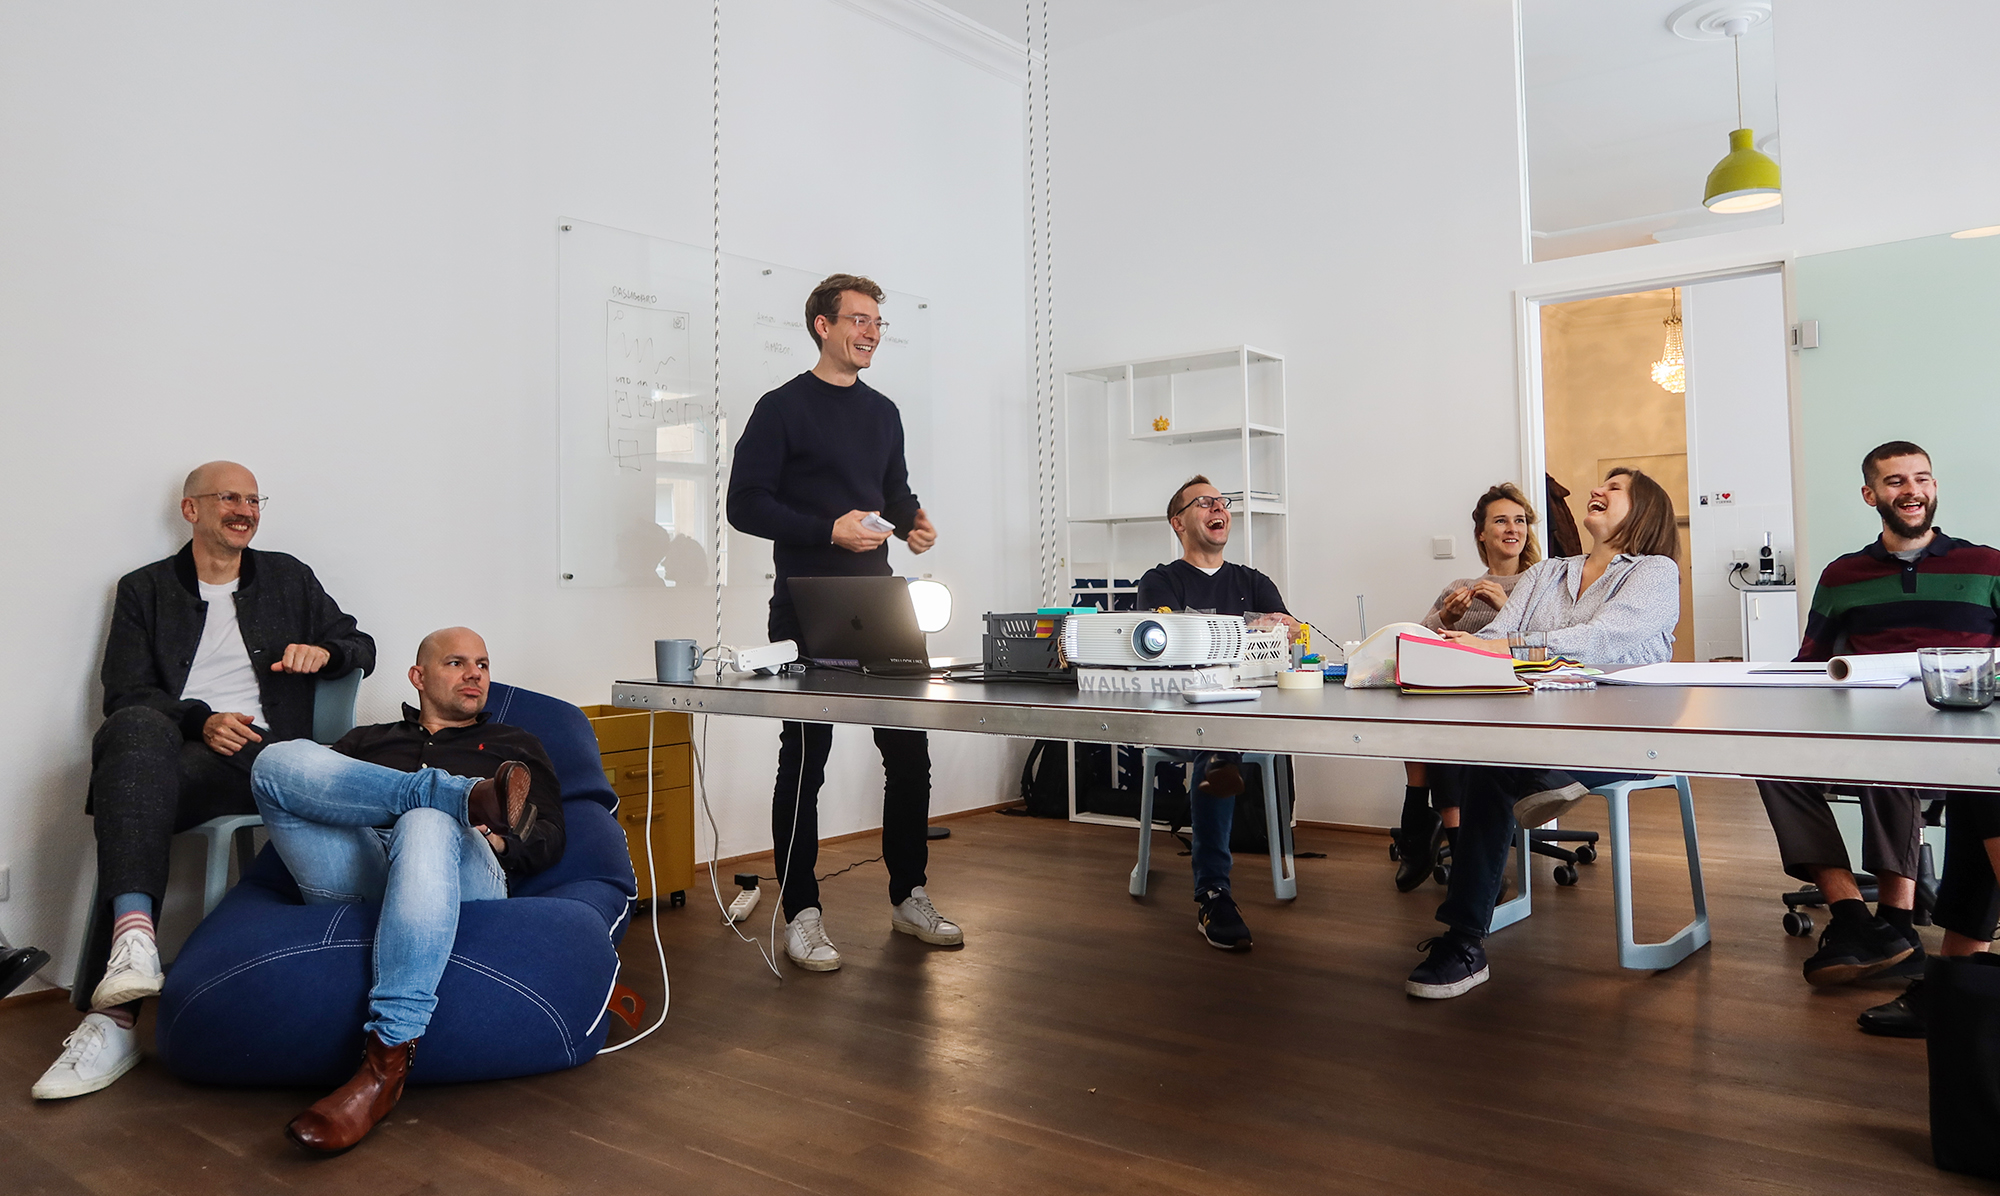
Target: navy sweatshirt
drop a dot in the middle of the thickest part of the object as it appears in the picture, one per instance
(1235, 589)
(811, 453)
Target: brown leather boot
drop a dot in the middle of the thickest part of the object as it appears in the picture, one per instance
(500, 804)
(345, 1116)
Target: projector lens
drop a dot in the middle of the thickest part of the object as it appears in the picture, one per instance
(1149, 640)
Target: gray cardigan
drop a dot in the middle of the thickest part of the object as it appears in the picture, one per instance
(1626, 617)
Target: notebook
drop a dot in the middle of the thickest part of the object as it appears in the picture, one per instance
(1428, 666)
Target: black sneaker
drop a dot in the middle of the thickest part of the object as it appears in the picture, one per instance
(1911, 968)
(1900, 1018)
(1457, 965)
(1417, 852)
(1220, 922)
(1854, 950)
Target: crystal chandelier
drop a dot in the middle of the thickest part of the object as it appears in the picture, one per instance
(1670, 371)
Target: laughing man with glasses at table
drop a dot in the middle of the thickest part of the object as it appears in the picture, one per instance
(213, 653)
(1201, 580)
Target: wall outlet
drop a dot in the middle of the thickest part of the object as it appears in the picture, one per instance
(1739, 556)
(1443, 548)
(5, 875)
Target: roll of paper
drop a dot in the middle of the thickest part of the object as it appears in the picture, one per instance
(1897, 665)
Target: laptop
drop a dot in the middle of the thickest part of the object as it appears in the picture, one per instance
(865, 623)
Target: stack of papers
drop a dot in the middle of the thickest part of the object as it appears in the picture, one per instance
(1428, 666)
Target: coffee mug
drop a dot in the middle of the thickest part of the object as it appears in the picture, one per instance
(675, 660)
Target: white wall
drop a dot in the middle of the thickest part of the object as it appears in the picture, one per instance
(321, 240)
(1340, 183)
(1739, 432)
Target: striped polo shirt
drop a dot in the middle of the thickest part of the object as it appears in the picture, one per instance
(1948, 597)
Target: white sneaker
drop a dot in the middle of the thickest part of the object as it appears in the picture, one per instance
(806, 943)
(134, 971)
(95, 1053)
(916, 915)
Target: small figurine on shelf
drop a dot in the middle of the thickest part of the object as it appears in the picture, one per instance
(1161, 423)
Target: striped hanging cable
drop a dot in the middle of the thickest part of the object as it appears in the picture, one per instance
(717, 439)
(1049, 301)
(1035, 303)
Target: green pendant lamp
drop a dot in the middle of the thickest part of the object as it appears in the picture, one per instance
(1745, 180)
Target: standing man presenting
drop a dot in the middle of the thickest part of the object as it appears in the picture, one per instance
(819, 455)
(1202, 581)
(214, 652)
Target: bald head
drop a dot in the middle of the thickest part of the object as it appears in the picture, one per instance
(450, 676)
(219, 476)
(446, 640)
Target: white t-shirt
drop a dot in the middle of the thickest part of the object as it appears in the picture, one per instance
(1210, 572)
(222, 675)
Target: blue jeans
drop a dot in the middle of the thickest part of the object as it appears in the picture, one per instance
(1486, 797)
(356, 832)
(1210, 821)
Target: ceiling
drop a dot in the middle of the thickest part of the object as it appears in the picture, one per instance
(1626, 118)
(1070, 21)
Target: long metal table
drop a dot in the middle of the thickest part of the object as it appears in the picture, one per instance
(1864, 735)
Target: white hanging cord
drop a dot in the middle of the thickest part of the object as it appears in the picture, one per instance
(1737, 39)
(1049, 578)
(716, 436)
(1042, 528)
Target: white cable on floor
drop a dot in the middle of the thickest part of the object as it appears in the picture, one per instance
(715, 850)
(653, 887)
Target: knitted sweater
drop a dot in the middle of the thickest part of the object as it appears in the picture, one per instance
(1949, 597)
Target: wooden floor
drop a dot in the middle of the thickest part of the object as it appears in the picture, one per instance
(1083, 1041)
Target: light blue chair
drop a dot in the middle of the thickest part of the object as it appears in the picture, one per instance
(333, 717)
(1649, 956)
(1277, 817)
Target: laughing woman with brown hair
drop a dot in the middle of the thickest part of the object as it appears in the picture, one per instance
(1615, 605)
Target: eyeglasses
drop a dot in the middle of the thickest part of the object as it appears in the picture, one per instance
(229, 498)
(864, 322)
(1207, 502)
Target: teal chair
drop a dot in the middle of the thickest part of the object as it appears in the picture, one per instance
(1277, 819)
(1648, 956)
(333, 717)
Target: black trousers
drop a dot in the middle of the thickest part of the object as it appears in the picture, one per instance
(146, 784)
(906, 810)
(1968, 898)
(1892, 827)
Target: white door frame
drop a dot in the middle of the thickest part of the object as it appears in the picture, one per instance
(1528, 339)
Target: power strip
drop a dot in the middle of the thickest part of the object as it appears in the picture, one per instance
(746, 902)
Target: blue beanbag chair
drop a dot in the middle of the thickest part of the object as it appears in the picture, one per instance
(269, 990)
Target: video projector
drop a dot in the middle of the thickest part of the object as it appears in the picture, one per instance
(1136, 639)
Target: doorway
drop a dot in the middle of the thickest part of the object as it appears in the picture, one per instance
(1688, 383)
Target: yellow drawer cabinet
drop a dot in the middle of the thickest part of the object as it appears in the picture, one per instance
(621, 741)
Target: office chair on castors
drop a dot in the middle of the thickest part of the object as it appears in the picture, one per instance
(1542, 841)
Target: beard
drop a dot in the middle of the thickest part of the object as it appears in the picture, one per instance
(1894, 522)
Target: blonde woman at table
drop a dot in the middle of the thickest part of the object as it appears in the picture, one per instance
(1503, 530)
(1616, 605)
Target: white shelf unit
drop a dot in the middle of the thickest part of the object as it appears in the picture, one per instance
(1224, 413)
(1225, 418)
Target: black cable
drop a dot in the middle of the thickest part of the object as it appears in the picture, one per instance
(831, 875)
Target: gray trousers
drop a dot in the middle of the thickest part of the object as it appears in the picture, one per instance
(146, 783)
(1892, 827)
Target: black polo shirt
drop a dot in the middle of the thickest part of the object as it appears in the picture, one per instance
(477, 750)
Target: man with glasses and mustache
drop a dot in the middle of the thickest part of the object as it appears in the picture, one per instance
(213, 653)
(1202, 581)
(1912, 587)
(819, 471)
